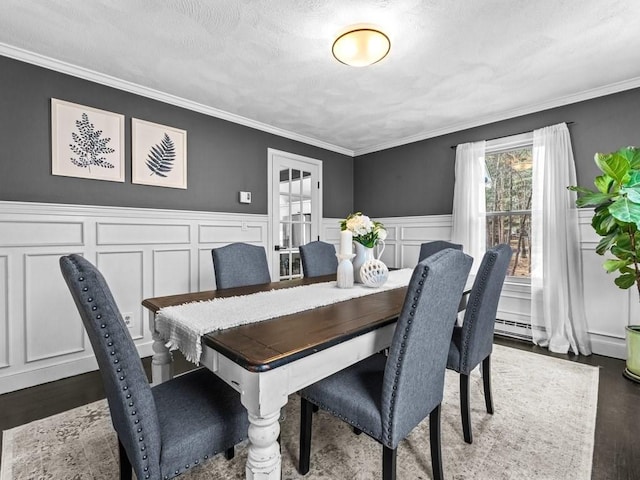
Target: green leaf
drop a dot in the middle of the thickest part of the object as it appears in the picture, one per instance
(603, 222)
(592, 199)
(603, 183)
(626, 280)
(605, 243)
(632, 154)
(613, 265)
(614, 165)
(622, 253)
(625, 210)
(632, 187)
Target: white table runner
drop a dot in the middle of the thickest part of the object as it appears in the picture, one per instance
(184, 325)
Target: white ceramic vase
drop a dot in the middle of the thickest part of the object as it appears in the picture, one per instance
(363, 254)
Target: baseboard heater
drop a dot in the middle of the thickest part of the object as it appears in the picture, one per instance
(509, 328)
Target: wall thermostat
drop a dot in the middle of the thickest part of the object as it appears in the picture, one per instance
(245, 197)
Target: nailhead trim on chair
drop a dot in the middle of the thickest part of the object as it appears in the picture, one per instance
(122, 377)
(464, 360)
(407, 332)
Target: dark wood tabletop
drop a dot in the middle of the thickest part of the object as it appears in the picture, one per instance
(271, 343)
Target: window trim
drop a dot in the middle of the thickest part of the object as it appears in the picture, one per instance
(504, 144)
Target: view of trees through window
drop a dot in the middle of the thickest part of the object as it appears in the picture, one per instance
(508, 196)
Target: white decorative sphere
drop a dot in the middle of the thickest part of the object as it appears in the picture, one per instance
(374, 273)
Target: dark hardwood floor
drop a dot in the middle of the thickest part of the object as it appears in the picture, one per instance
(616, 454)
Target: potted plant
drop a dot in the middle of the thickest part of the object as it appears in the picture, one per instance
(616, 219)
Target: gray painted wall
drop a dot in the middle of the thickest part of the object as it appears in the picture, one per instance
(418, 178)
(223, 157)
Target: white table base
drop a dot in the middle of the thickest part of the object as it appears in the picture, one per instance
(264, 394)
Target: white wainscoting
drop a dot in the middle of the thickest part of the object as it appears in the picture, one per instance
(141, 252)
(609, 310)
(145, 253)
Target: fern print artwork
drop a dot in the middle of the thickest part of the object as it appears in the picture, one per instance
(158, 155)
(161, 157)
(86, 142)
(89, 146)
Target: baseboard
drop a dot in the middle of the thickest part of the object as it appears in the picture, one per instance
(21, 380)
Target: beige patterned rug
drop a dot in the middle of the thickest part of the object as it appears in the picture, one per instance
(543, 428)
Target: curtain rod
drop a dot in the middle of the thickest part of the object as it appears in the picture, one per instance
(512, 135)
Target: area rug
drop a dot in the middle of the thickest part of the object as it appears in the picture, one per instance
(543, 428)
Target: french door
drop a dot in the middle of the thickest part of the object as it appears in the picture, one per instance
(295, 209)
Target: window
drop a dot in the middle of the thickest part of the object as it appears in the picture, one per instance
(508, 199)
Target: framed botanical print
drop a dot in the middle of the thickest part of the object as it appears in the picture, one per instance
(86, 142)
(159, 154)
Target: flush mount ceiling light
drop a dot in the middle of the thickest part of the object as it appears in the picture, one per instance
(360, 47)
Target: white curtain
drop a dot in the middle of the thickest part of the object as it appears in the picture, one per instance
(469, 207)
(558, 316)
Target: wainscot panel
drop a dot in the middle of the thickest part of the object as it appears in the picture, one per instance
(141, 252)
(608, 308)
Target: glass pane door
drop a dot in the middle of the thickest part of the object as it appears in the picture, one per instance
(294, 219)
(295, 210)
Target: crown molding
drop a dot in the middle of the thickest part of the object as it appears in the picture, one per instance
(518, 112)
(93, 76)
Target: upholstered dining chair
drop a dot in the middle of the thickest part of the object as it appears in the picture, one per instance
(318, 258)
(165, 430)
(429, 248)
(472, 343)
(240, 265)
(386, 397)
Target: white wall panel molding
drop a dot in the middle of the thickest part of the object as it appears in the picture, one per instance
(52, 325)
(141, 252)
(35, 305)
(4, 311)
(224, 232)
(171, 271)
(20, 233)
(137, 233)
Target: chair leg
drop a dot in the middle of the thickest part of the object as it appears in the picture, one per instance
(357, 431)
(388, 463)
(229, 453)
(306, 419)
(465, 409)
(316, 408)
(125, 465)
(434, 440)
(486, 380)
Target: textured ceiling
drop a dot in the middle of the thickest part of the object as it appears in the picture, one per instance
(453, 63)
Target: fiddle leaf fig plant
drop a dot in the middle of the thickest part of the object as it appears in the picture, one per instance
(616, 217)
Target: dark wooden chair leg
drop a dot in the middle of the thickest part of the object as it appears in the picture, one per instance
(229, 453)
(465, 408)
(486, 380)
(357, 431)
(434, 440)
(315, 408)
(388, 463)
(126, 472)
(306, 419)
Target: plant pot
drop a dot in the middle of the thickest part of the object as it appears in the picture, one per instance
(632, 371)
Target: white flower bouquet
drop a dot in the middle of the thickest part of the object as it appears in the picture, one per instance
(365, 231)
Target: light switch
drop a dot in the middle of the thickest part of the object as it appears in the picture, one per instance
(245, 197)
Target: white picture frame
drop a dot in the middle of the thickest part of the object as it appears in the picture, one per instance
(86, 142)
(158, 155)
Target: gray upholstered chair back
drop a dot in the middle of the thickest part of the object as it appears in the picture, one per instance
(240, 265)
(133, 410)
(414, 373)
(429, 248)
(318, 258)
(480, 315)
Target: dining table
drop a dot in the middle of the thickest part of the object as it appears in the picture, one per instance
(268, 360)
